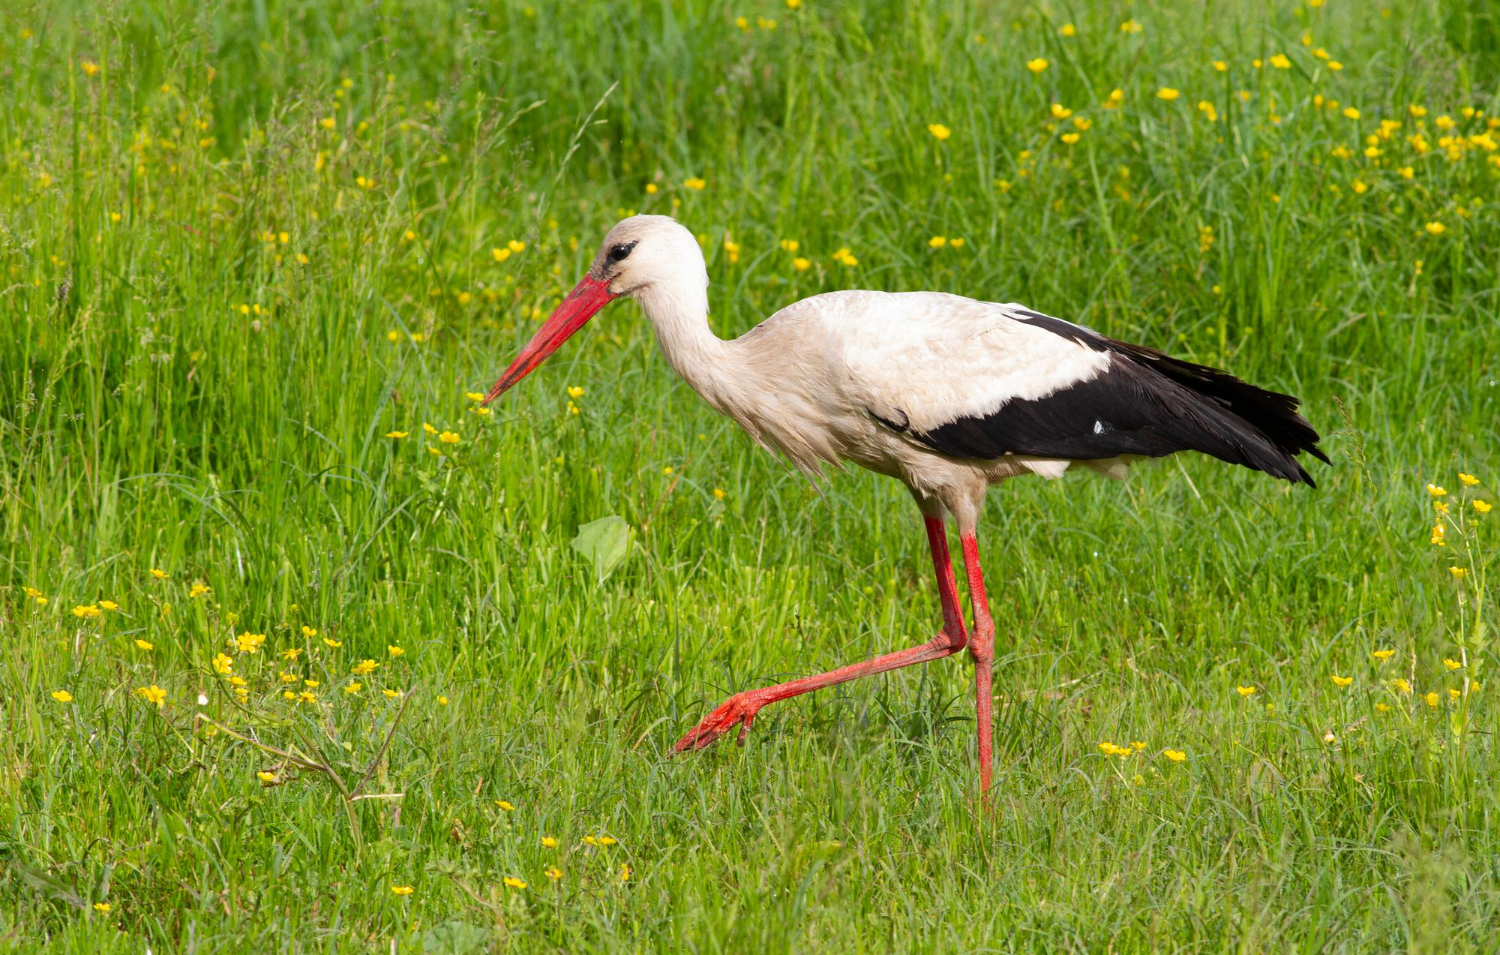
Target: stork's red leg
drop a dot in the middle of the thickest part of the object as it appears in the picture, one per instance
(982, 648)
(741, 708)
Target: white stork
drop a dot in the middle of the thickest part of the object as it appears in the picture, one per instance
(946, 394)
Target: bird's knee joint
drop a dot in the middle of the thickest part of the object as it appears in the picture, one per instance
(982, 642)
(951, 641)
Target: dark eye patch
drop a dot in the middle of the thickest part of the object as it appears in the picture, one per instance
(619, 252)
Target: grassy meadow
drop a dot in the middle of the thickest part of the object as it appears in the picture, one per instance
(299, 653)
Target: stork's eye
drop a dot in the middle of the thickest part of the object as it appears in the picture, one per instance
(619, 252)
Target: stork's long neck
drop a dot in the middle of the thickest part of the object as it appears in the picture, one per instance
(679, 312)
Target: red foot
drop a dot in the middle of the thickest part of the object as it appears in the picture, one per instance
(740, 708)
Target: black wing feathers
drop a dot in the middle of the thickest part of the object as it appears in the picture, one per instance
(1145, 403)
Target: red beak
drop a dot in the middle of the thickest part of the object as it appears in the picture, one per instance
(587, 297)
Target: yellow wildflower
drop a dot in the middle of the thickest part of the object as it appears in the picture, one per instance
(939, 131)
(222, 662)
(62, 696)
(1351, 113)
(1468, 480)
(1037, 65)
(1431, 698)
(1483, 507)
(448, 437)
(1167, 93)
(249, 642)
(394, 651)
(1175, 755)
(1245, 690)
(198, 589)
(1130, 26)
(549, 842)
(1342, 680)
(506, 805)
(108, 605)
(364, 668)
(1436, 491)
(694, 183)
(86, 611)
(1383, 655)
(1068, 29)
(553, 872)
(1452, 664)
(152, 694)
(1457, 572)
(1281, 62)
(353, 687)
(266, 777)
(103, 907)
(513, 882)
(1400, 685)
(401, 890)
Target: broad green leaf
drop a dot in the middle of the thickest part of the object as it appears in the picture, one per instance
(605, 542)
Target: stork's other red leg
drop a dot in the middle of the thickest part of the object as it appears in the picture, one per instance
(741, 708)
(982, 648)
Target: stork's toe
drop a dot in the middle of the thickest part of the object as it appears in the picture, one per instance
(739, 709)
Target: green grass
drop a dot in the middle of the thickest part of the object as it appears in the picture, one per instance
(147, 422)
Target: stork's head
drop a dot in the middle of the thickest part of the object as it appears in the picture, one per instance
(639, 254)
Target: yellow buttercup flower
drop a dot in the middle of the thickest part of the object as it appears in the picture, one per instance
(448, 437)
(506, 805)
(364, 668)
(1431, 698)
(1342, 680)
(1457, 572)
(1383, 655)
(144, 645)
(939, 131)
(1245, 690)
(401, 890)
(1468, 480)
(153, 694)
(513, 882)
(86, 611)
(62, 696)
(1168, 93)
(1452, 664)
(694, 183)
(1175, 755)
(1436, 491)
(553, 872)
(1037, 65)
(549, 842)
(1483, 507)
